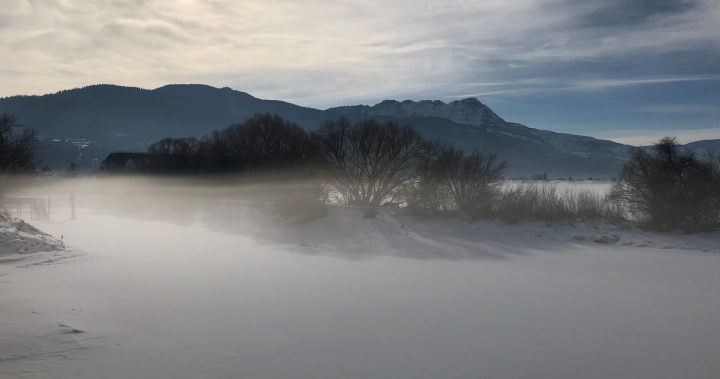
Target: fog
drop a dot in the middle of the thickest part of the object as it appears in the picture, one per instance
(170, 278)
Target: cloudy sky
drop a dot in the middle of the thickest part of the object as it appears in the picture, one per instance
(628, 70)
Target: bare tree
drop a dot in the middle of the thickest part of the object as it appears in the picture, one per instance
(263, 141)
(473, 179)
(17, 150)
(177, 155)
(670, 187)
(429, 191)
(369, 161)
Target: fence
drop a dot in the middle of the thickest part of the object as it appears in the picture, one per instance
(50, 208)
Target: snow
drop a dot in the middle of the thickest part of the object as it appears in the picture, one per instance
(225, 290)
(23, 246)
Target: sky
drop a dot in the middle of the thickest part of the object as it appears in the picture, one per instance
(627, 70)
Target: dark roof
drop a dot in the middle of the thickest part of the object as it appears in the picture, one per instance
(117, 161)
(123, 156)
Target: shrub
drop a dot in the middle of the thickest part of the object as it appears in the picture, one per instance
(369, 162)
(540, 202)
(369, 213)
(473, 180)
(670, 187)
(429, 192)
(531, 202)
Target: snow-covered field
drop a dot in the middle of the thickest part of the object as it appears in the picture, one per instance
(227, 291)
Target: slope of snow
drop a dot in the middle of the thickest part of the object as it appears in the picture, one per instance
(23, 246)
(223, 290)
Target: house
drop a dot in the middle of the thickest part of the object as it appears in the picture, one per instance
(46, 171)
(126, 162)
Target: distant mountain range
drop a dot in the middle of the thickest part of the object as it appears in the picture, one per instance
(126, 118)
(702, 147)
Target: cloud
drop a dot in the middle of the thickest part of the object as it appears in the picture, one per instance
(645, 138)
(604, 83)
(614, 13)
(683, 108)
(533, 86)
(324, 53)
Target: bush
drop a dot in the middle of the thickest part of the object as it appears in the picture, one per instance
(533, 202)
(670, 187)
(429, 193)
(473, 180)
(369, 213)
(369, 163)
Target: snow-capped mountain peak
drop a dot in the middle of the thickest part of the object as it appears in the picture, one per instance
(471, 111)
(468, 111)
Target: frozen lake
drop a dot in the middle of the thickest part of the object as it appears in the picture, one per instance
(160, 300)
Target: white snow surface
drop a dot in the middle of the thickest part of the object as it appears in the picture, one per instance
(23, 246)
(225, 290)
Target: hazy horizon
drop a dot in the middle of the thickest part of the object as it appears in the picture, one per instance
(203, 213)
(639, 140)
(629, 71)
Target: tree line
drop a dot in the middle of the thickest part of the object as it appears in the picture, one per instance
(370, 164)
(365, 163)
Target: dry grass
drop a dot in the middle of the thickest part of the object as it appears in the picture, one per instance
(542, 202)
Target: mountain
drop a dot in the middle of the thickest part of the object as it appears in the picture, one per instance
(469, 111)
(472, 112)
(126, 118)
(703, 147)
(525, 157)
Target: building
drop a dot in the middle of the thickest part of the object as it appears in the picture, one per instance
(126, 162)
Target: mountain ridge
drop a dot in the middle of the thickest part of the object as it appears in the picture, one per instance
(471, 111)
(129, 118)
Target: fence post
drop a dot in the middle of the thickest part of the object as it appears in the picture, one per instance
(72, 206)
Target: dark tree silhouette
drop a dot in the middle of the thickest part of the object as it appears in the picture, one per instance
(429, 191)
(17, 150)
(473, 179)
(369, 161)
(670, 187)
(178, 155)
(259, 143)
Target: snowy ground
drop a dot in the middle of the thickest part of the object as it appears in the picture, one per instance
(23, 246)
(226, 291)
